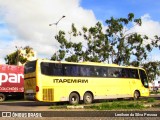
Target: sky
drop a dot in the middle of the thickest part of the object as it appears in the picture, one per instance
(26, 22)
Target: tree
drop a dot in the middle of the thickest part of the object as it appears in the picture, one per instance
(152, 69)
(116, 45)
(95, 48)
(21, 56)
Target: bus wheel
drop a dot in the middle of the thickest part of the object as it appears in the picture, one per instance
(74, 98)
(2, 97)
(136, 95)
(88, 98)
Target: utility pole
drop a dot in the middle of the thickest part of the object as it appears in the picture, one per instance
(56, 23)
(18, 52)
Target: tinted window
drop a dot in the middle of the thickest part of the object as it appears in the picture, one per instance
(133, 73)
(71, 70)
(51, 69)
(122, 73)
(85, 70)
(57, 69)
(115, 72)
(125, 73)
(30, 67)
(95, 71)
(103, 71)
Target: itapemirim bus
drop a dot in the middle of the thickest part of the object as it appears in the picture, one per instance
(54, 81)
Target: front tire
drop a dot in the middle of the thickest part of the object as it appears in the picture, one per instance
(2, 97)
(74, 98)
(136, 95)
(88, 98)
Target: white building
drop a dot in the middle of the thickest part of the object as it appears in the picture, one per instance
(156, 83)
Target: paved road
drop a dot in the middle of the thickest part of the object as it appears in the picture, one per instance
(36, 106)
(24, 106)
(42, 106)
(157, 96)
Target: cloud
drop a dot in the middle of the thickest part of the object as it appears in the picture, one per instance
(28, 23)
(149, 27)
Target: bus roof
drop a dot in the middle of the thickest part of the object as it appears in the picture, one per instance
(88, 63)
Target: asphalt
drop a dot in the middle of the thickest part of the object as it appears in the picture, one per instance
(79, 111)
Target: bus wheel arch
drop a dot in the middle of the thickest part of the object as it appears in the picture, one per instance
(88, 97)
(2, 97)
(136, 94)
(74, 98)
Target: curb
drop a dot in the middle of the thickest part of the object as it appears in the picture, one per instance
(75, 107)
(148, 105)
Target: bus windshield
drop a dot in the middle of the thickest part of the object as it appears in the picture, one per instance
(144, 79)
(30, 67)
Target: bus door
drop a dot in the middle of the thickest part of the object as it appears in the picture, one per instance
(119, 79)
(125, 82)
(133, 80)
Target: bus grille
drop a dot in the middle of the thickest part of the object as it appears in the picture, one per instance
(48, 94)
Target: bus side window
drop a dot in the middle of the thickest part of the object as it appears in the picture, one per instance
(103, 72)
(71, 70)
(124, 73)
(56, 69)
(118, 72)
(66, 70)
(85, 70)
(133, 73)
(96, 71)
(45, 68)
(112, 72)
(92, 74)
(74, 70)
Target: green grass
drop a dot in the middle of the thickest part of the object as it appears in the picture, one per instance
(151, 100)
(58, 107)
(114, 105)
(117, 105)
(154, 92)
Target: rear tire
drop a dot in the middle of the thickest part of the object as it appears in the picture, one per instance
(136, 95)
(2, 97)
(88, 98)
(74, 98)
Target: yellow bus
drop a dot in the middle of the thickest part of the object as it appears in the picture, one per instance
(55, 81)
